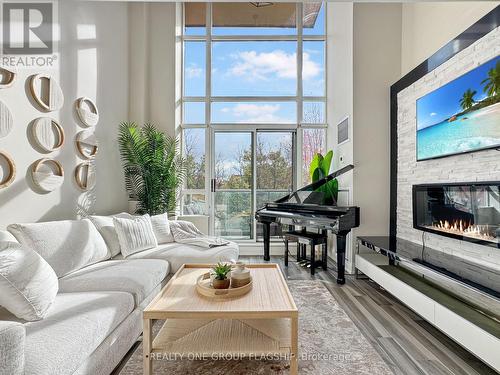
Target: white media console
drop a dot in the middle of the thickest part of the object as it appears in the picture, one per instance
(464, 312)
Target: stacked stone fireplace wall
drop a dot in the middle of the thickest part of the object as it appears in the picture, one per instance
(476, 166)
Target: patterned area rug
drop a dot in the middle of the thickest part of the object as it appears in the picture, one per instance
(329, 343)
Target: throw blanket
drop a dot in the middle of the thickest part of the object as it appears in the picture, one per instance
(186, 232)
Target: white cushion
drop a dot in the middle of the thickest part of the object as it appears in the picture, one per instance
(177, 254)
(75, 326)
(28, 285)
(7, 236)
(66, 245)
(137, 276)
(161, 228)
(12, 342)
(106, 227)
(135, 234)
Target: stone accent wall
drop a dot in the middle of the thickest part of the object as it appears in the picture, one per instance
(477, 166)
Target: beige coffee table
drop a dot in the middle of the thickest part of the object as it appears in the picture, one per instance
(261, 324)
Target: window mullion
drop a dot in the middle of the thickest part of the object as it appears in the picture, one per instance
(298, 176)
(209, 166)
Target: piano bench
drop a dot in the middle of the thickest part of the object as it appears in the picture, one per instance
(304, 238)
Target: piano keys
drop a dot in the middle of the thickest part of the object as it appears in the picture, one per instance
(306, 208)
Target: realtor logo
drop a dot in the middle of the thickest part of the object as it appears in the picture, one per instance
(27, 28)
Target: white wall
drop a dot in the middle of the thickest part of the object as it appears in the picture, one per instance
(377, 65)
(152, 70)
(428, 26)
(339, 94)
(93, 62)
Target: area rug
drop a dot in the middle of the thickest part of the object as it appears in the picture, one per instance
(329, 343)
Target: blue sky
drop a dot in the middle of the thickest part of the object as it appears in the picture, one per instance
(252, 69)
(444, 102)
(260, 68)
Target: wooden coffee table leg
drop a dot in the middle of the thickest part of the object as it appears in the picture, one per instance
(294, 360)
(146, 345)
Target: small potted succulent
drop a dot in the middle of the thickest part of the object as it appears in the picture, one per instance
(221, 278)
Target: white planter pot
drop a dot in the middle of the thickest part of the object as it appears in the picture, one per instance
(132, 207)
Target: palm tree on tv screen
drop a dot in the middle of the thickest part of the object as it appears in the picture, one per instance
(492, 83)
(467, 100)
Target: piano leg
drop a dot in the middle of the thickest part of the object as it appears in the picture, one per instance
(267, 240)
(341, 245)
(313, 258)
(286, 252)
(324, 252)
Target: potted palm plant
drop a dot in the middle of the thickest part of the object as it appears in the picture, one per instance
(154, 168)
(221, 276)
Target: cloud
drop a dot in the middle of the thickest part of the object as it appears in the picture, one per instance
(261, 65)
(260, 113)
(433, 113)
(193, 71)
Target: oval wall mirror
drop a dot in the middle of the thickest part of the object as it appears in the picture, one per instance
(7, 77)
(85, 176)
(6, 120)
(7, 170)
(87, 112)
(47, 134)
(86, 143)
(47, 174)
(46, 92)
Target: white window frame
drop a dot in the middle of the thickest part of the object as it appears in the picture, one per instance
(208, 99)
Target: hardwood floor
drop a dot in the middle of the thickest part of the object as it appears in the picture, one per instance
(408, 344)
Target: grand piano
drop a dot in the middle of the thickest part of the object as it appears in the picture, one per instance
(306, 208)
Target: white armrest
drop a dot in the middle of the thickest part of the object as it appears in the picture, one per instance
(199, 221)
(12, 341)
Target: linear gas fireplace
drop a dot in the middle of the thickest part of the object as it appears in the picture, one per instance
(465, 211)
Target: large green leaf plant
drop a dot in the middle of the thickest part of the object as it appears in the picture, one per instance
(154, 167)
(320, 168)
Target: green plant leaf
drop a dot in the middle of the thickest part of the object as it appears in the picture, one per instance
(153, 167)
(315, 167)
(326, 163)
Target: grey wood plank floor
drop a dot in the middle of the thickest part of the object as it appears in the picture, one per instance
(403, 339)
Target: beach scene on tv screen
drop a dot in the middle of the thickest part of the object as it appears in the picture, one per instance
(462, 116)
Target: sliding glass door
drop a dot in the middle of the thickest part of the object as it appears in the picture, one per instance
(250, 168)
(232, 185)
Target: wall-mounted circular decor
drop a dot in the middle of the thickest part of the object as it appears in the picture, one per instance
(6, 121)
(85, 175)
(46, 92)
(86, 143)
(8, 170)
(47, 134)
(7, 77)
(87, 111)
(47, 174)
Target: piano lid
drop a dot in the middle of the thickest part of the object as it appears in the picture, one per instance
(314, 193)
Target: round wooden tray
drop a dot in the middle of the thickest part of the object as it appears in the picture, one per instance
(204, 287)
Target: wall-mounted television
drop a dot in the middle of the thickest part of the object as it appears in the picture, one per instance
(461, 116)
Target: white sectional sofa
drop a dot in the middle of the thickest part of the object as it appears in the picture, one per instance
(97, 313)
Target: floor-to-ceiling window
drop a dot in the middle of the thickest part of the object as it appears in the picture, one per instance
(254, 107)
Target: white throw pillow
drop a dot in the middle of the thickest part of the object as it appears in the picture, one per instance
(28, 285)
(135, 234)
(161, 228)
(106, 227)
(67, 245)
(7, 236)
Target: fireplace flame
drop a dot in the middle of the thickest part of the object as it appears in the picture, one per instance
(464, 228)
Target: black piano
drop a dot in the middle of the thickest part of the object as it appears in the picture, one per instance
(306, 208)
